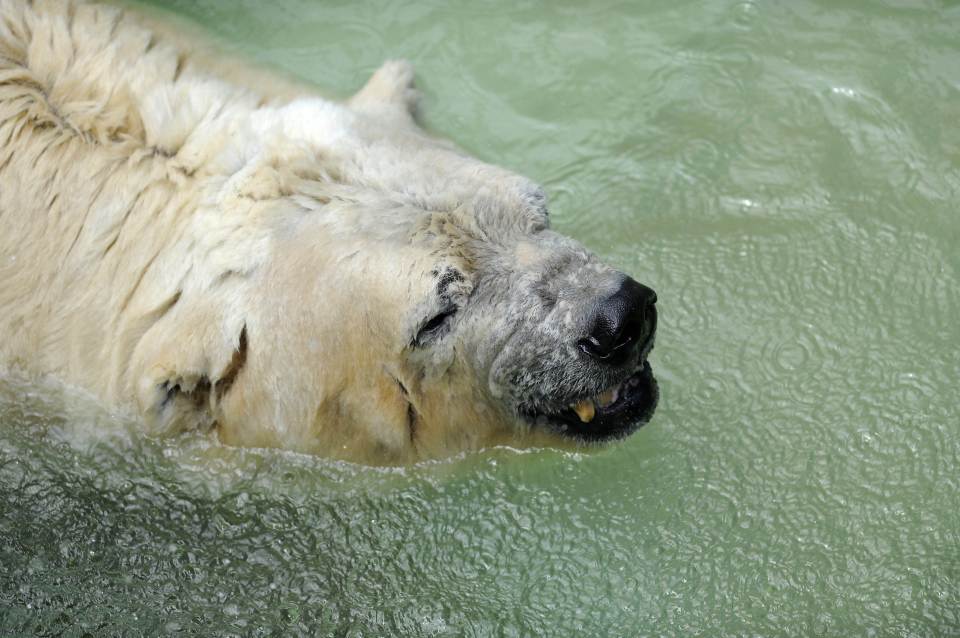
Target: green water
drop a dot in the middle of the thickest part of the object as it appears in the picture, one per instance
(785, 174)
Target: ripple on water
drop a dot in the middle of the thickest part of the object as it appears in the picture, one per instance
(789, 360)
(746, 14)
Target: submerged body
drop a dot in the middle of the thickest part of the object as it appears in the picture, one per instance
(288, 270)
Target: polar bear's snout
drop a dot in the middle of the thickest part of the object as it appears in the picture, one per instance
(589, 379)
(622, 321)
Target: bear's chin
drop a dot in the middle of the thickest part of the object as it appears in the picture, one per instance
(634, 405)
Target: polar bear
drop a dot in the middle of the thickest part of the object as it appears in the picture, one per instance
(209, 250)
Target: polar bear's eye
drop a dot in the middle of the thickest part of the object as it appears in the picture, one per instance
(435, 326)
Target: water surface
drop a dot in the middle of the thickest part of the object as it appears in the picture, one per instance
(785, 174)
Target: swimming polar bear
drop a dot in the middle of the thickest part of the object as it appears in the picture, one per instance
(285, 270)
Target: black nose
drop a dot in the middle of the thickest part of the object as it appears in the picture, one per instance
(622, 320)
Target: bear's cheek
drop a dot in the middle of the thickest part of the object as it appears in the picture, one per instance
(459, 416)
(385, 414)
(364, 419)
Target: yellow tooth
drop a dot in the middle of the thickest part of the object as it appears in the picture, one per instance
(606, 398)
(585, 410)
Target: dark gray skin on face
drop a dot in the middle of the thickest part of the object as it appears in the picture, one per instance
(523, 298)
(539, 364)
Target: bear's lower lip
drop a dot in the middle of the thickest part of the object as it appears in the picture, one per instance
(636, 400)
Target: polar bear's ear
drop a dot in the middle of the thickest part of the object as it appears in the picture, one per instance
(183, 372)
(391, 88)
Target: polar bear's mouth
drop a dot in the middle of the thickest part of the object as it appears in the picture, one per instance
(612, 414)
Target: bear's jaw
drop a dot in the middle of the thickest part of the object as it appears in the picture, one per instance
(612, 414)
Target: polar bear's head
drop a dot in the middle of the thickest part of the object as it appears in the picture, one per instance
(418, 304)
(421, 333)
(412, 302)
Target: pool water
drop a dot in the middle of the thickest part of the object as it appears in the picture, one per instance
(786, 175)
